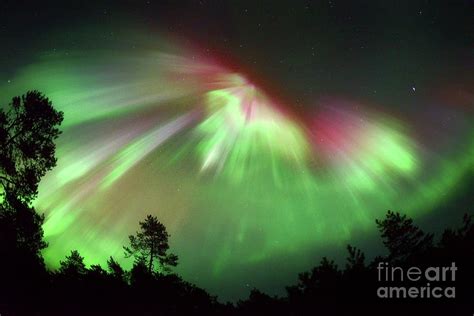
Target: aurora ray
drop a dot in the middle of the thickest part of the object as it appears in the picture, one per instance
(237, 179)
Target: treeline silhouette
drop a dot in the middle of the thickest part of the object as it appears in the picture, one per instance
(28, 129)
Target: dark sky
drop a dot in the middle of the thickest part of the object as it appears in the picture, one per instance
(298, 51)
(374, 49)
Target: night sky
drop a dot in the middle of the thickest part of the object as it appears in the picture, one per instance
(264, 134)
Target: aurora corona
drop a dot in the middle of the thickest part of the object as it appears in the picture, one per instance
(237, 178)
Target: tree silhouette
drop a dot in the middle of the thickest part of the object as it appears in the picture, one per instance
(73, 266)
(259, 303)
(28, 129)
(402, 238)
(316, 289)
(115, 269)
(462, 237)
(355, 260)
(20, 227)
(325, 289)
(150, 244)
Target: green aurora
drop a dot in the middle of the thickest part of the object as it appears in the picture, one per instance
(238, 180)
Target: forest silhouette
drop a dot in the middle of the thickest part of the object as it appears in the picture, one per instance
(29, 126)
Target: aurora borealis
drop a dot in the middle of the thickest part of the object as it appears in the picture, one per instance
(247, 183)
